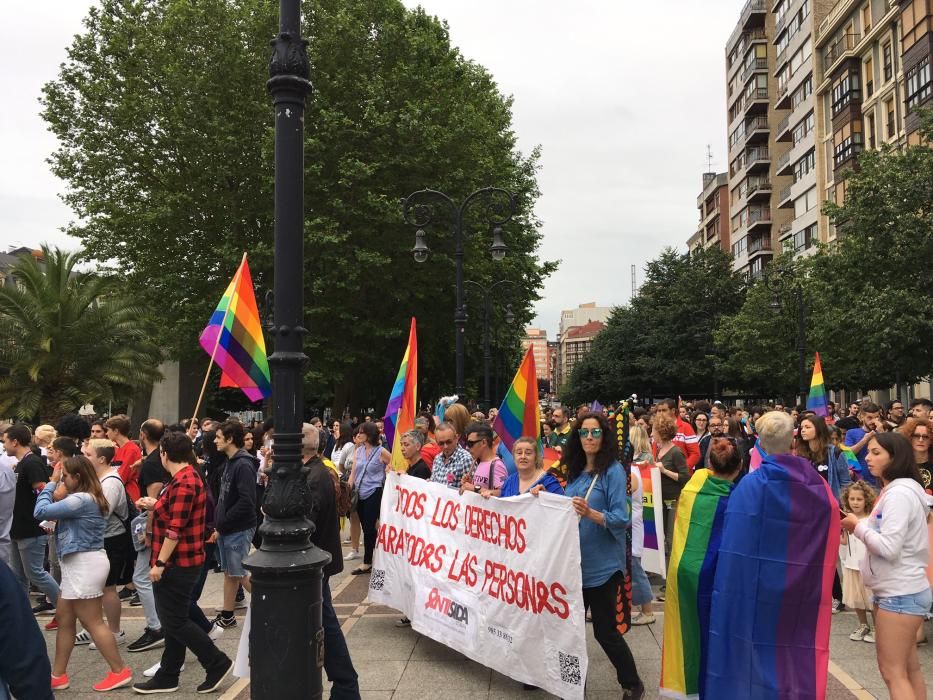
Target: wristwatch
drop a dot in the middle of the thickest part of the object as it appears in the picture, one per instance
(159, 563)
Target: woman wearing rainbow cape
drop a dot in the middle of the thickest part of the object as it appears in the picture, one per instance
(771, 600)
(694, 552)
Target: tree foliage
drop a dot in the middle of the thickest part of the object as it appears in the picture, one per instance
(166, 138)
(70, 338)
(662, 342)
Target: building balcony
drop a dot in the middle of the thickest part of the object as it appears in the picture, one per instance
(753, 14)
(836, 51)
(784, 199)
(785, 229)
(783, 97)
(759, 244)
(758, 191)
(756, 129)
(783, 132)
(784, 165)
(758, 219)
(756, 101)
(757, 159)
(759, 65)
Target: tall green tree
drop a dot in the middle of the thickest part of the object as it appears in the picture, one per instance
(166, 137)
(662, 342)
(69, 338)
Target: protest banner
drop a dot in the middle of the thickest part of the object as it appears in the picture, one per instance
(652, 556)
(496, 579)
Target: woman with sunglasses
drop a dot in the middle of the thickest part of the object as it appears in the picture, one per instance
(920, 433)
(74, 498)
(598, 485)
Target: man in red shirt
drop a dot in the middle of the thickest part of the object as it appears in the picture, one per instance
(127, 454)
(176, 561)
(686, 438)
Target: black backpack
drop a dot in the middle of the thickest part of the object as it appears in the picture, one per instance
(131, 510)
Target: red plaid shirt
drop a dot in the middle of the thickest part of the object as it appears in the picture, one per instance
(179, 515)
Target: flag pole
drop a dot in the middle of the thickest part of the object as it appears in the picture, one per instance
(223, 323)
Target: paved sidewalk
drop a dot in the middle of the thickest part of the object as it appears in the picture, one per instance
(400, 664)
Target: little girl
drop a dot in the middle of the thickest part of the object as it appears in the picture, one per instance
(858, 498)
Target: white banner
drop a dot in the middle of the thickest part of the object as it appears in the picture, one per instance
(498, 580)
(652, 517)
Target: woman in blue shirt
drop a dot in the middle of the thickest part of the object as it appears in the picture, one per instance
(529, 472)
(598, 485)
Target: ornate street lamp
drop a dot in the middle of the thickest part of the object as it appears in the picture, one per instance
(286, 636)
(418, 208)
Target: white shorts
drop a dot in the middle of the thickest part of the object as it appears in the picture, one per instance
(84, 575)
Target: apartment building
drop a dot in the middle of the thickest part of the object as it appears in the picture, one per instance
(574, 345)
(583, 314)
(713, 205)
(752, 116)
(537, 338)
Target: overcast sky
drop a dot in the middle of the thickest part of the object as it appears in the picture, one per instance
(623, 98)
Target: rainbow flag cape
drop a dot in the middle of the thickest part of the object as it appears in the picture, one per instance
(694, 554)
(403, 402)
(816, 400)
(520, 413)
(851, 460)
(233, 338)
(772, 591)
(652, 517)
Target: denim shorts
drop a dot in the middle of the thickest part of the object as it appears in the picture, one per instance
(232, 549)
(913, 604)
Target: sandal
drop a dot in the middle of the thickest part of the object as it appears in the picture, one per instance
(360, 570)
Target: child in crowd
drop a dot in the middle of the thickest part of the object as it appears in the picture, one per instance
(857, 498)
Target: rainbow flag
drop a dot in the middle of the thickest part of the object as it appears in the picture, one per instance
(772, 592)
(403, 402)
(520, 413)
(233, 338)
(652, 517)
(851, 460)
(816, 400)
(694, 554)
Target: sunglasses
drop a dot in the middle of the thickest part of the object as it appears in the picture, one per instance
(591, 432)
(471, 443)
(917, 436)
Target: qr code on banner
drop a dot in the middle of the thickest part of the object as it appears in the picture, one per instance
(378, 579)
(569, 668)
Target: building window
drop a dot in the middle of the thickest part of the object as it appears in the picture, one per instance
(871, 130)
(888, 61)
(805, 202)
(803, 92)
(915, 22)
(869, 78)
(804, 166)
(845, 91)
(918, 84)
(803, 129)
(805, 239)
(892, 123)
(847, 142)
(866, 18)
(738, 248)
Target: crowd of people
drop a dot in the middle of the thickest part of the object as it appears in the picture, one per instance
(91, 519)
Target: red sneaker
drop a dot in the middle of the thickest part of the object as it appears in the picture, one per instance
(115, 680)
(52, 625)
(59, 682)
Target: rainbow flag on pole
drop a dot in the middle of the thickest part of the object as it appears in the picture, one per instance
(816, 400)
(403, 402)
(233, 338)
(520, 415)
(694, 554)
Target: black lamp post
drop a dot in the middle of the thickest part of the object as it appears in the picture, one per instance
(286, 637)
(418, 208)
(777, 279)
(486, 293)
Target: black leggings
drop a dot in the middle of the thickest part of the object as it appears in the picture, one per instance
(368, 508)
(602, 602)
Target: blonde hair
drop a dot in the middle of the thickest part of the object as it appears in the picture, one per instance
(103, 448)
(638, 436)
(525, 440)
(775, 432)
(45, 435)
(458, 416)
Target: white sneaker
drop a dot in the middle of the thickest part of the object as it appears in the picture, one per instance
(152, 670)
(216, 632)
(83, 637)
(119, 636)
(352, 555)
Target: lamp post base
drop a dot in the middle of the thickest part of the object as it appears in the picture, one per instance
(286, 638)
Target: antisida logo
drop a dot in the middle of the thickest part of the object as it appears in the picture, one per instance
(448, 607)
